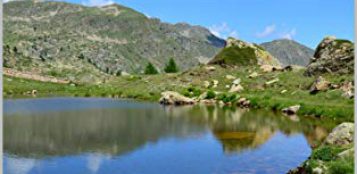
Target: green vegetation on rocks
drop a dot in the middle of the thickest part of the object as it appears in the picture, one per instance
(237, 52)
(236, 56)
(332, 56)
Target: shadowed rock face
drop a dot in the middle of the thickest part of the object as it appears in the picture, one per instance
(237, 52)
(111, 39)
(332, 56)
(289, 52)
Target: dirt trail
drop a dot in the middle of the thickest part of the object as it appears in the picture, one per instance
(31, 76)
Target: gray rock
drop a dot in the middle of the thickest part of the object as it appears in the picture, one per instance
(341, 135)
(332, 56)
(174, 98)
(320, 84)
(292, 110)
(347, 153)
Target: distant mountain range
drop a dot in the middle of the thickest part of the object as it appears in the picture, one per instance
(73, 41)
(58, 37)
(289, 52)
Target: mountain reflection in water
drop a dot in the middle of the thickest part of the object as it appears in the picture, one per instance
(115, 128)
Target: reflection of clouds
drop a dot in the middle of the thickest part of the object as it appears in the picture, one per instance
(19, 165)
(95, 160)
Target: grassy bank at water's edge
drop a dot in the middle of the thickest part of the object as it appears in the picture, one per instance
(191, 83)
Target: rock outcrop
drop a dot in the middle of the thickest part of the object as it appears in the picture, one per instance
(320, 84)
(236, 86)
(347, 89)
(332, 56)
(292, 110)
(237, 52)
(341, 135)
(174, 98)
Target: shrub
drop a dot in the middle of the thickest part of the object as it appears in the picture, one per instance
(171, 67)
(210, 94)
(326, 153)
(342, 167)
(150, 69)
(192, 92)
(228, 97)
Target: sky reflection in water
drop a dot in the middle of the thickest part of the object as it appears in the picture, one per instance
(113, 136)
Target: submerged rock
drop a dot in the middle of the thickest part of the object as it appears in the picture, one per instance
(341, 135)
(174, 98)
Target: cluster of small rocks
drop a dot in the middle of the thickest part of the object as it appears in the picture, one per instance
(321, 84)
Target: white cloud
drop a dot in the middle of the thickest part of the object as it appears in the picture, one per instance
(269, 30)
(97, 3)
(223, 31)
(288, 35)
(281, 32)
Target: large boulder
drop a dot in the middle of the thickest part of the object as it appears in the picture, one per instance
(174, 98)
(341, 135)
(236, 87)
(332, 56)
(238, 52)
(270, 68)
(320, 84)
(347, 89)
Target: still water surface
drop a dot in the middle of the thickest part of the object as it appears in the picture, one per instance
(94, 135)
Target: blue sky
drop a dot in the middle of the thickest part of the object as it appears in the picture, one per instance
(306, 21)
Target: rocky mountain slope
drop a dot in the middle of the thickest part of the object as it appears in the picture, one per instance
(289, 52)
(332, 56)
(237, 52)
(56, 37)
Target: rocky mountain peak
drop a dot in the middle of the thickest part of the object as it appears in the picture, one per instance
(111, 39)
(289, 52)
